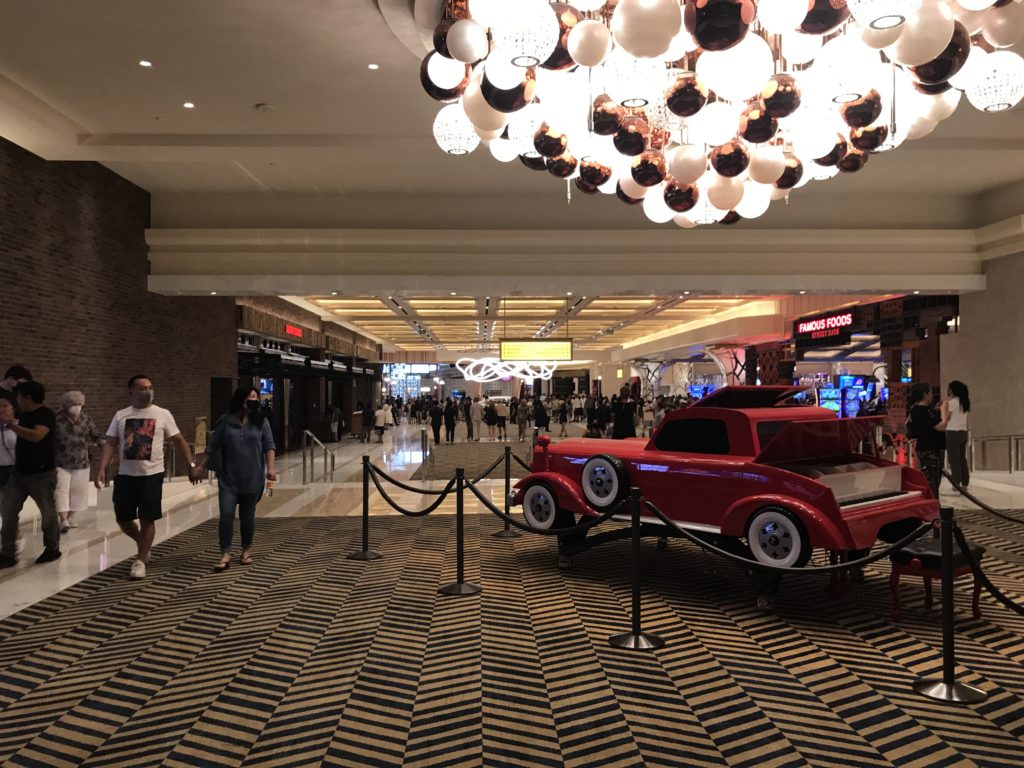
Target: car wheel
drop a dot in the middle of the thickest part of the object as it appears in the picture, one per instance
(777, 537)
(540, 507)
(604, 481)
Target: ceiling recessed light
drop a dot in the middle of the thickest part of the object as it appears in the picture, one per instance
(802, 292)
(373, 66)
(917, 293)
(334, 293)
(568, 293)
(454, 293)
(145, 63)
(213, 293)
(189, 105)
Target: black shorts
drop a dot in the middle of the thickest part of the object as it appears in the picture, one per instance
(501, 422)
(138, 497)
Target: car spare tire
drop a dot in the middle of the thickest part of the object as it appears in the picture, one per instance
(605, 481)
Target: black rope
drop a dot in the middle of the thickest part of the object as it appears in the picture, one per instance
(408, 512)
(578, 528)
(979, 574)
(423, 491)
(488, 471)
(758, 565)
(522, 463)
(981, 503)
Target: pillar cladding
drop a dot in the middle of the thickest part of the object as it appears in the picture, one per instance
(731, 362)
(76, 309)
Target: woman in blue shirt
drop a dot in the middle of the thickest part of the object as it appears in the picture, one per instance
(243, 446)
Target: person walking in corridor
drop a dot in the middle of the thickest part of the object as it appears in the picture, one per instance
(954, 413)
(139, 433)
(243, 445)
(925, 426)
(449, 421)
(476, 412)
(75, 433)
(34, 475)
(467, 414)
(436, 417)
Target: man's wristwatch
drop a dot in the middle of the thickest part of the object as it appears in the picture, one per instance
(192, 465)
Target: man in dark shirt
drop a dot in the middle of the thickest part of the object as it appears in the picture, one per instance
(34, 474)
(12, 378)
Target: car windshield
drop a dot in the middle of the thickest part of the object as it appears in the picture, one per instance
(693, 436)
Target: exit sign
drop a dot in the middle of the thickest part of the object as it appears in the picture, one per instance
(293, 330)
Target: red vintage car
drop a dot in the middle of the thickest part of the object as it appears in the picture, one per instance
(744, 463)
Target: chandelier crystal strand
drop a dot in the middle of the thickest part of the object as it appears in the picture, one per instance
(486, 369)
(785, 93)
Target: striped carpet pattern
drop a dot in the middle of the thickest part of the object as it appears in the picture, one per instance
(307, 658)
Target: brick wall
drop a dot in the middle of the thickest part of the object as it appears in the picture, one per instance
(75, 307)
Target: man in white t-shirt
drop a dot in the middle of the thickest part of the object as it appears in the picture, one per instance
(139, 433)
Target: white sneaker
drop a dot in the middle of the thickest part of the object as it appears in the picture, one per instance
(72, 523)
(138, 570)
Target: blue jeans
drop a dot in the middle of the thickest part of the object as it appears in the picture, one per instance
(229, 498)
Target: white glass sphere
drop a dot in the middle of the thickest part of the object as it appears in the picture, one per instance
(502, 73)
(780, 17)
(756, 200)
(704, 212)
(632, 188)
(688, 163)
(725, 193)
(589, 43)
(681, 45)
(878, 38)
(822, 172)
(716, 124)
(488, 135)
(737, 73)
(484, 12)
(975, 5)
(973, 66)
(998, 84)
(780, 194)
(503, 150)
(683, 221)
(799, 48)
(526, 32)
(522, 125)
(767, 162)
(1003, 27)
(589, 5)
(445, 73)
(882, 14)
(634, 82)
(940, 106)
(645, 28)
(479, 112)
(920, 128)
(467, 41)
(924, 36)
(453, 131)
(655, 207)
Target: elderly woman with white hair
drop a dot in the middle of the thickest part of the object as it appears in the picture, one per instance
(75, 432)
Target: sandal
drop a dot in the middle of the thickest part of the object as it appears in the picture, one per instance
(245, 559)
(221, 566)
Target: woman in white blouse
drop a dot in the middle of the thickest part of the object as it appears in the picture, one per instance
(954, 414)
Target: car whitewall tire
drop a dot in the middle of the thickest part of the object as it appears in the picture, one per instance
(603, 481)
(540, 507)
(776, 537)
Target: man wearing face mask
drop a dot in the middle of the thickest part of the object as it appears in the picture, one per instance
(140, 432)
(75, 432)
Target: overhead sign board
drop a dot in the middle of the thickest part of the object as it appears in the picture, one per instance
(529, 350)
(833, 329)
(293, 330)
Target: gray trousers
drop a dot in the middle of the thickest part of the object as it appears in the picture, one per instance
(40, 487)
(956, 453)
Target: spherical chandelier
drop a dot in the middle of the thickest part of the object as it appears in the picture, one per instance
(705, 111)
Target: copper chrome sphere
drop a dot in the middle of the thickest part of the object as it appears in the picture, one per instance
(568, 17)
(824, 16)
(607, 116)
(838, 152)
(509, 100)
(681, 197)
(756, 125)
(686, 96)
(534, 163)
(854, 161)
(441, 37)
(649, 168)
(781, 95)
(718, 25)
(548, 142)
(730, 159)
(869, 139)
(562, 166)
(444, 95)
(594, 173)
(631, 138)
(862, 112)
(792, 174)
(584, 187)
(730, 218)
(947, 63)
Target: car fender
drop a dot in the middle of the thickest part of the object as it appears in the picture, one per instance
(567, 493)
(821, 529)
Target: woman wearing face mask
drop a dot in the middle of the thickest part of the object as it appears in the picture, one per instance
(245, 445)
(75, 432)
(7, 440)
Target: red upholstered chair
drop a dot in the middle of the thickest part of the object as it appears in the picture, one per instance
(924, 558)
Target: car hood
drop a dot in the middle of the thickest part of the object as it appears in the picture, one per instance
(630, 446)
(813, 438)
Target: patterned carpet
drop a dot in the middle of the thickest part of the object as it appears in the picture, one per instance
(473, 457)
(306, 658)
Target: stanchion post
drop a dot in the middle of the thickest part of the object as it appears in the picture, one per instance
(533, 443)
(460, 586)
(366, 553)
(948, 689)
(507, 532)
(636, 639)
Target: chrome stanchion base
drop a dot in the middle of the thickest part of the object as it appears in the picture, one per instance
(511, 533)
(641, 642)
(365, 554)
(457, 589)
(957, 693)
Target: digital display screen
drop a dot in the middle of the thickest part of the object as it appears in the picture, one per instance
(829, 394)
(851, 381)
(266, 386)
(540, 350)
(832, 405)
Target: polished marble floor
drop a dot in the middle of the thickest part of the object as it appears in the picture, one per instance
(98, 543)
